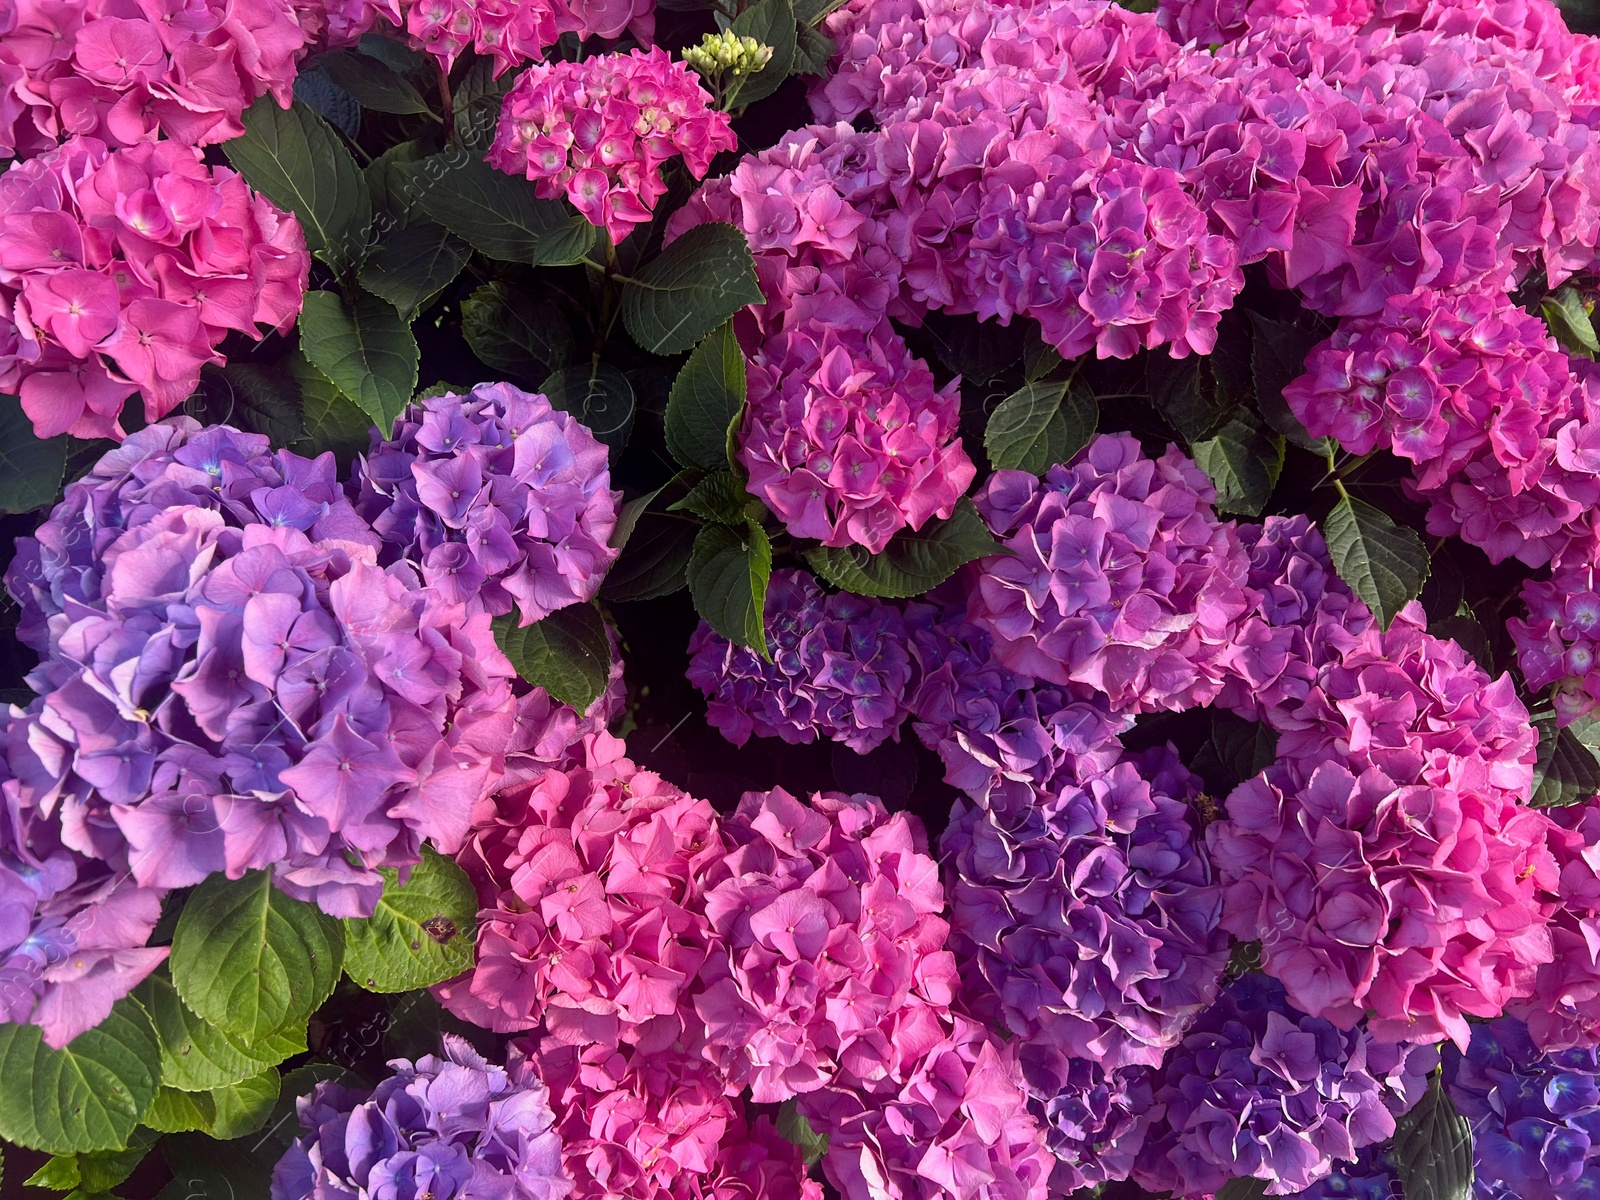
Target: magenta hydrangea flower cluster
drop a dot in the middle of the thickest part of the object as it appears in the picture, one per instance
(1562, 1009)
(598, 131)
(1533, 1115)
(840, 668)
(1120, 577)
(499, 500)
(121, 271)
(130, 71)
(1503, 434)
(1259, 1090)
(1558, 639)
(450, 1126)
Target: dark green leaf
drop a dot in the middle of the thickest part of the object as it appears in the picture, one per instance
(1464, 630)
(421, 931)
(367, 352)
(197, 1056)
(567, 654)
(697, 283)
(1243, 959)
(85, 1097)
(912, 562)
(1244, 461)
(718, 497)
(264, 400)
(374, 83)
(1040, 425)
(707, 401)
(1278, 357)
(513, 330)
(1384, 563)
(600, 396)
(331, 422)
(396, 55)
(1569, 321)
(500, 216)
(393, 190)
(251, 961)
(770, 22)
(1567, 771)
(412, 265)
(31, 468)
(812, 52)
(329, 101)
(1432, 1149)
(655, 561)
(1243, 1189)
(728, 572)
(1245, 748)
(297, 162)
(93, 1174)
(976, 350)
(1182, 391)
(794, 1128)
(477, 102)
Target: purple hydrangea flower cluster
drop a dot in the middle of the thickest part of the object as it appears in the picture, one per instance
(840, 668)
(1090, 920)
(1120, 577)
(1370, 1177)
(1096, 1121)
(1533, 1116)
(1259, 1089)
(1004, 737)
(494, 496)
(1559, 639)
(446, 1127)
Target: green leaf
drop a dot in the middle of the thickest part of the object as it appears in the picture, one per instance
(1386, 564)
(1277, 358)
(421, 931)
(1246, 748)
(567, 653)
(1466, 631)
(728, 571)
(1247, 1188)
(331, 422)
(1432, 1149)
(293, 158)
(655, 561)
(412, 265)
(263, 400)
(31, 468)
(707, 402)
(1181, 390)
(1567, 772)
(180, 1112)
(600, 396)
(87, 1096)
(196, 1056)
(251, 961)
(513, 330)
(93, 1174)
(477, 101)
(389, 180)
(1244, 461)
(717, 497)
(1040, 425)
(245, 1106)
(500, 216)
(794, 1128)
(1569, 321)
(912, 562)
(696, 284)
(770, 22)
(813, 51)
(374, 84)
(367, 352)
(59, 1173)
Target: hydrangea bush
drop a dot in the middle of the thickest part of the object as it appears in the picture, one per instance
(779, 600)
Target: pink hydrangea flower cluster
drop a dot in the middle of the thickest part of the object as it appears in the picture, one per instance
(1563, 1009)
(660, 1126)
(1504, 437)
(499, 500)
(848, 439)
(130, 71)
(840, 667)
(1559, 639)
(953, 1126)
(831, 961)
(512, 32)
(593, 914)
(598, 132)
(1120, 577)
(1388, 861)
(121, 271)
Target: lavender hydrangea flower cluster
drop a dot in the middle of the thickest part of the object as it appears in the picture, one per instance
(839, 668)
(445, 1127)
(1258, 1089)
(1533, 1116)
